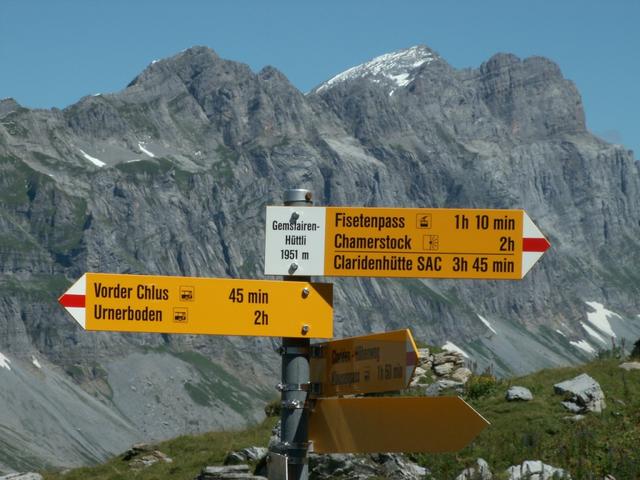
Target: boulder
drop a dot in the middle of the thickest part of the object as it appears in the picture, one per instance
(518, 393)
(143, 455)
(436, 388)
(419, 377)
(582, 391)
(461, 375)
(448, 357)
(325, 467)
(361, 467)
(249, 454)
(444, 368)
(397, 466)
(228, 472)
(480, 471)
(572, 407)
(535, 470)
(423, 356)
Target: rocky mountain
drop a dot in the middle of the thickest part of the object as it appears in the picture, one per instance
(171, 176)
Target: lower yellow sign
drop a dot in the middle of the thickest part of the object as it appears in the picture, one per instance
(209, 306)
(393, 424)
(381, 362)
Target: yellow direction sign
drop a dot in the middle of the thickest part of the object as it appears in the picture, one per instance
(401, 242)
(382, 362)
(393, 424)
(210, 306)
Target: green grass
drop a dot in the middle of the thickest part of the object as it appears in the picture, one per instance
(189, 453)
(600, 444)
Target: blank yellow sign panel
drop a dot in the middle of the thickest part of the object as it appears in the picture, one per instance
(393, 424)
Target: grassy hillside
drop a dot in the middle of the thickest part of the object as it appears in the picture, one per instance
(599, 444)
(189, 454)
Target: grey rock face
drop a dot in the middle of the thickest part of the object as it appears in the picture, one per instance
(359, 467)
(461, 375)
(249, 454)
(324, 467)
(443, 369)
(518, 393)
(229, 472)
(437, 387)
(196, 146)
(584, 394)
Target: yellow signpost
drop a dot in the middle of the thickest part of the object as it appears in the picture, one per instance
(332, 241)
(382, 362)
(209, 306)
(393, 424)
(402, 242)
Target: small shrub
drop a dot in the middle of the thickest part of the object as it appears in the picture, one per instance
(272, 409)
(480, 386)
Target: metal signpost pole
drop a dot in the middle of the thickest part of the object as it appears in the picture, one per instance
(294, 418)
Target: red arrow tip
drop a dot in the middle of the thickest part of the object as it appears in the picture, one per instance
(535, 245)
(70, 300)
(412, 358)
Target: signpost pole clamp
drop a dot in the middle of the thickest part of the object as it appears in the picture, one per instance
(294, 387)
(294, 404)
(292, 350)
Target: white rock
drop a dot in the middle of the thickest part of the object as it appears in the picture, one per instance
(519, 393)
(574, 418)
(443, 369)
(630, 366)
(447, 357)
(461, 375)
(535, 470)
(423, 356)
(584, 391)
(480, 471)
(418, 377)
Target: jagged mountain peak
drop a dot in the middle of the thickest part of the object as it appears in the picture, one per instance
(395, 68)
(8, 105)
(186, 63)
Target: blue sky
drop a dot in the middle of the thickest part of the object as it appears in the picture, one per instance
(54, 52)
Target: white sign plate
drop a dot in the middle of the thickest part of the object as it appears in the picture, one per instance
(295, 240)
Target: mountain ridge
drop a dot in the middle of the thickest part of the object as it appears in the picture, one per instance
(189, 167)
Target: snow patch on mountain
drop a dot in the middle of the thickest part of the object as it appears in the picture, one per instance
(599, 318)
(4, 362)
(583, 345)
(144, 150)
(396, 67)
(97, 162)
(35, 362)
(592, 332)
(451, 347)
(560, 332)
(487, 324)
